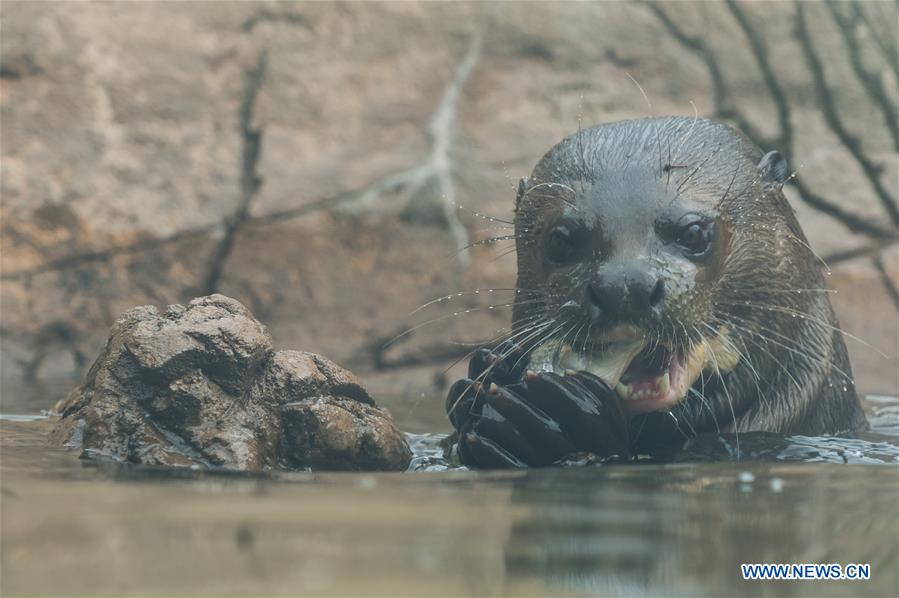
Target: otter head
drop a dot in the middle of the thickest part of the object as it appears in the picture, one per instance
(625, 233)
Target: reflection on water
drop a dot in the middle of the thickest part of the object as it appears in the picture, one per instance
(684, 530)
(73, 527)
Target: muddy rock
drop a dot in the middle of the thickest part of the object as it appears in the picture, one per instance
(202, 386)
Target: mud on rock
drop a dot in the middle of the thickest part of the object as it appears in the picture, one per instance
(202, 386)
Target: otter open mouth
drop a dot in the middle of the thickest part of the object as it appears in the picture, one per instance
(647, 376)
(653, 380)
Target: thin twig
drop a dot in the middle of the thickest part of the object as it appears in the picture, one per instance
(78, 259)
(854, 222)
(846, 255)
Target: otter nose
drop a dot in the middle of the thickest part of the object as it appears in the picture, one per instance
(626, 293)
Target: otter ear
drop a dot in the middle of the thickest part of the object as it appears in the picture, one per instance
(522, 187)
(773, 168)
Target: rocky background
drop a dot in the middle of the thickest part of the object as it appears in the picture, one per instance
(324, 162)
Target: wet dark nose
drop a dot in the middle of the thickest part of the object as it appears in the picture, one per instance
(627, 293)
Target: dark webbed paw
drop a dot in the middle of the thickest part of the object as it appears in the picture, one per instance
(506, 417)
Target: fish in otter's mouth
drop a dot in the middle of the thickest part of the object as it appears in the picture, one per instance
(645, 373)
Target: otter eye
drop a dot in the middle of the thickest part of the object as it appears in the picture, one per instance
(560, 245)
(696, 237)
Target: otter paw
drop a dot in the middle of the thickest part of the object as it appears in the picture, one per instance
(585, 407)
(539, 420)
(502, 366)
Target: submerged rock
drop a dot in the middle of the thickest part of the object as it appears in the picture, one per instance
(202, 386)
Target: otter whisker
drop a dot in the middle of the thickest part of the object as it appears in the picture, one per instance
(523, 344)
(729, 187)
(506, 230)
(503, 254)
(674, 418)
(490, 241)
(580, 141)
(558, 349)
(712, 411)
(587, 338)
(551, 185)
(484, 216)
(704, 402)
(500, 335)
(455, 314)
(743, 359)
(808, 318)
(805, 244)
(489, 369)
(692, 173)
(577, 335)
(687, 421)
(445, 298)
(770, 354)
(819, 359)
(686, 137)
(790, 290)
(730, 400)
(639, 431)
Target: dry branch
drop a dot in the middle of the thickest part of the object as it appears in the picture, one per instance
(250, 182)
(835, 122)
(871, 81)
(887, 281)
(725, 109)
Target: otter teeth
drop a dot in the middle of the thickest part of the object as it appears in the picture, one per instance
(664, 384)
(658, 387)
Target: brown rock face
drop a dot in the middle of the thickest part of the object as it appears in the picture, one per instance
(201, 385)
(123, 155)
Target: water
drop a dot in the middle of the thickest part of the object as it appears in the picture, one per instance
(72, 526)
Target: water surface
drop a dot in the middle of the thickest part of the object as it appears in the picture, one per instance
(75, 527)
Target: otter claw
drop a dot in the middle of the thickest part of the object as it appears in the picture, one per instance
(504, 365)
(460, 402)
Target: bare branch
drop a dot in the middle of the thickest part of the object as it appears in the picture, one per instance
(698, 47)
(887, 281)
(832, 117)
(872, 82)
(250, 182)
(760, 52)
(79, 259)
(198, 232)
(854, 222)
(725, 110)
(437, 166)
(885, 43)
(865, 251)
(375, 352)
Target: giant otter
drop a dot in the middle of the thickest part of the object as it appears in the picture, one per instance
(665, 290)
